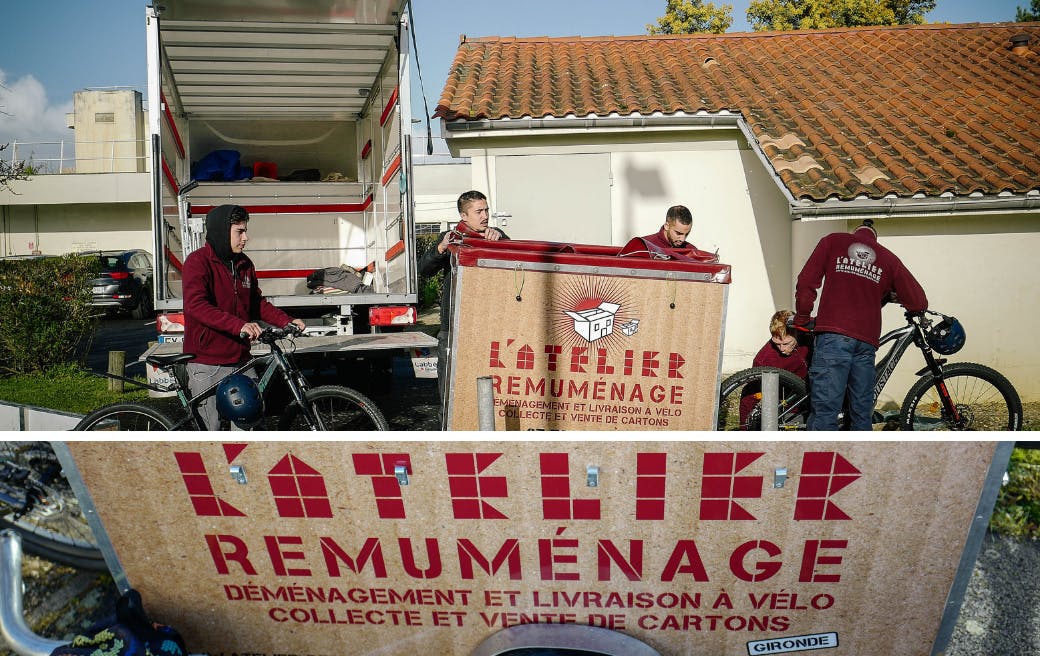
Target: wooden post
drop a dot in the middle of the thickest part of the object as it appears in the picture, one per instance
(116, 366)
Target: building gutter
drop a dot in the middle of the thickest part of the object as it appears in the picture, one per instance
(924, 206)
(487, 127)
(801, 210)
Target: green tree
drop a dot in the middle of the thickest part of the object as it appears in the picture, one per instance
(820, 14)
(1028, 15)
(11, 171)
(690, 16)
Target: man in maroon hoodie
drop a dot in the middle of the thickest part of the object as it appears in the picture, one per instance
(678, 223)
(473, 224)
(861, 275)
(222, 301)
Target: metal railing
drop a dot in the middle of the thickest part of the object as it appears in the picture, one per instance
(64, 157)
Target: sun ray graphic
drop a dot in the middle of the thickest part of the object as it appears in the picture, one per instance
(577, 293)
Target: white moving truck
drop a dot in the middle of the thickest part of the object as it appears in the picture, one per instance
(298, 112)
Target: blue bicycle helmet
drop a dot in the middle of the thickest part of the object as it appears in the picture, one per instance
(239, 400)
(946, 337)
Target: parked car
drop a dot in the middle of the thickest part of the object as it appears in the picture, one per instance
(125, 282)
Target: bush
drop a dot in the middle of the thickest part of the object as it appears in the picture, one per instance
(429, 286)
(45, 313)
(1017, 512)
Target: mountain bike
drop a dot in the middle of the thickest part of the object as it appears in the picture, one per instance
(37, 502)
(323, 408)
(958, 396)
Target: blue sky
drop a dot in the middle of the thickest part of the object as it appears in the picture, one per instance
(51, 49)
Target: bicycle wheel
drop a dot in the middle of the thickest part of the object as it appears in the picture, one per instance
(52, 525)
(983, 397)
(794, 401)
(338, 409)
(125, 417)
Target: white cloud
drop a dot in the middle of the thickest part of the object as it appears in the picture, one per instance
(26, 114)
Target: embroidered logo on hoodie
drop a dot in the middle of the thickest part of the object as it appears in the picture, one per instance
(859, 262)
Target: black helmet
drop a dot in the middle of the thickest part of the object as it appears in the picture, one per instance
(946, 337)
(239, 400)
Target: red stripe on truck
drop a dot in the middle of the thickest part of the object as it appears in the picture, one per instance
(395, 250)
(172, 124)
(389, 109)
(293, 209)
(394, 167)
(284, 273)
(169, 177)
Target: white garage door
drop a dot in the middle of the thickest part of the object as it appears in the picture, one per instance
(563, 198)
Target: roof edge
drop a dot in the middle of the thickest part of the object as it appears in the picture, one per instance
(859, 208)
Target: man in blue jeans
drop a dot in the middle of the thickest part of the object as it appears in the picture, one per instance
(858, 275)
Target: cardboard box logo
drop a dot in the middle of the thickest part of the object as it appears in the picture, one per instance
(596, 322)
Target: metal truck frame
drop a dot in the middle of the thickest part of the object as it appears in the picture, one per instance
(314, 99)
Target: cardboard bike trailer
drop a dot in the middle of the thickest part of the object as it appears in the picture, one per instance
(585, 337)
(430, 547)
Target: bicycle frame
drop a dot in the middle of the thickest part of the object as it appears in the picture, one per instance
(271, 363)
(901, 339)
(912, 333)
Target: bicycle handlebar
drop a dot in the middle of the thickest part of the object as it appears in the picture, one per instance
(270, 334)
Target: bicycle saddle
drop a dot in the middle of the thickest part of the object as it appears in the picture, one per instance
(169, 360)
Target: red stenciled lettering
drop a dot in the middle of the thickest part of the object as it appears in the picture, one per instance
(811, 558)
(298, 489)
(239, 553)
(389, 500)
(278, 556)
(824, 474)
(556, 491)
(468, 488)
(632, 567)
(720, 486)
(433, 557)
(601, 362)
(579, 359)
(675, 363)
(508, 553)
(200, 490)
(650, 364)
(525, 357)
(763, 569)
(553, 351)
(685, 559)
(372, 551)
(651, 469)
(549, 556)
(494, 361)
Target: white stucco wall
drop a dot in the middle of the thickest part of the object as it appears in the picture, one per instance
(737, 209)
(976, 268)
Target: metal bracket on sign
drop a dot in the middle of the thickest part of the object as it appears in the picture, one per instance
(401, 473)
(592, 476)
(238, 474)
(779, 477)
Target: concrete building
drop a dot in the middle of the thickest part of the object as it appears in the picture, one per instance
(100, 200)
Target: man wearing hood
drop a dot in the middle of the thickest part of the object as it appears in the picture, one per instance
(861, 276)
(222, 301)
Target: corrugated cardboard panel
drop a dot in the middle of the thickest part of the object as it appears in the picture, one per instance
(687, 546)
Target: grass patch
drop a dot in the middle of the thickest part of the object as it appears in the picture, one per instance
(1017, 512)
(67, 388)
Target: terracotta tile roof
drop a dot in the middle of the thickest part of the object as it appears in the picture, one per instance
(840, 113)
